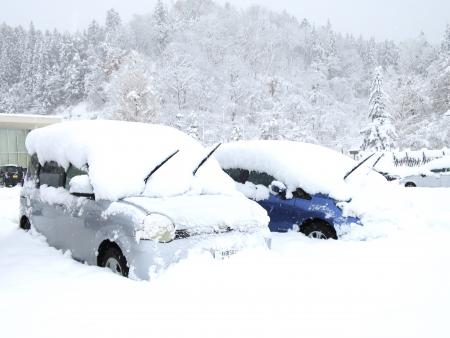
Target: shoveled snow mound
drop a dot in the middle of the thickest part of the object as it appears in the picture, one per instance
(121, 154)
(314, 168)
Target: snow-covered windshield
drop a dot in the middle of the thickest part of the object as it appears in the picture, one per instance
(120, 155)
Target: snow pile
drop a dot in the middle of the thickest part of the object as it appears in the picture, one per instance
(314, 168)
(120, 155)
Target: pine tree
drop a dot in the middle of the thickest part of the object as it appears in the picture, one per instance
(380, 134)
(161, 19)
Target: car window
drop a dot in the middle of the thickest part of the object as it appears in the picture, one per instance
(238, 175)
(33, 167)
(300, 193)
(438, 170)
(52, 175)
(257, 177)
(72, 172)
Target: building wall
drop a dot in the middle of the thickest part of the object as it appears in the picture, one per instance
(12, 146)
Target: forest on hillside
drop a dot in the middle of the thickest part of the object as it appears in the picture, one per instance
(221, 73)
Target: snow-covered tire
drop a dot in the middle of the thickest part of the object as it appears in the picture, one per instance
(318, 229)
(113, 259)
(410, 185)
(25, 224)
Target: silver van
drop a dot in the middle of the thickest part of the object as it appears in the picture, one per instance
(137, 233)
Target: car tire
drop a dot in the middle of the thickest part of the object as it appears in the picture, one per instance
(410, 185)
(318, 230)
(113, 259)
(25, 224)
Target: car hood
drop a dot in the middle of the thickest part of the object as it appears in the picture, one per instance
(201, 212)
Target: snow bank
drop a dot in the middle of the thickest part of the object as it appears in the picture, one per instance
(314, 168)
(121, 154)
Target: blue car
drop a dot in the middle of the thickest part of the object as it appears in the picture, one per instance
(289, 205)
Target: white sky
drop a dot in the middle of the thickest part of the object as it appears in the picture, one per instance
(393, 19)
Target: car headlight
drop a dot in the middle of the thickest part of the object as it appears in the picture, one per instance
(157, 227)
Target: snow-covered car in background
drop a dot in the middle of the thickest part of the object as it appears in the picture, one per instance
(435, 173)
(11, 175)
(176, 200)
(301, 185)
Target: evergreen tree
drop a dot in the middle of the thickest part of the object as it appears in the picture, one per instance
(161, 19)
(380, 134)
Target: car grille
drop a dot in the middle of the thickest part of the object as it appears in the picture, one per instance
(180, 234)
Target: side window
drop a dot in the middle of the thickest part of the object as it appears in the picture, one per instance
(72, 172)
(238, 175)
(300, 193)
(257, 177)
(52, 174)
(437, 171)
(33, 167)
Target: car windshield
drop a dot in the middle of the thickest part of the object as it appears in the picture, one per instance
(9, 169)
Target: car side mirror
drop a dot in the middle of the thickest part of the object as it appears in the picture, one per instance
(277, 188)
(81, 186)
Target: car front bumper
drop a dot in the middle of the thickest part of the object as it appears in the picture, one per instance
(145, 256)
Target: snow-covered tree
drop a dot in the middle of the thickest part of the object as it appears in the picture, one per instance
(380, 134)
(131, 94)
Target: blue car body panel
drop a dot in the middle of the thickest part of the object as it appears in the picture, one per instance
(286, 213)
(291, 213)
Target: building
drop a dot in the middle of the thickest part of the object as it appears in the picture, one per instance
(13, 131)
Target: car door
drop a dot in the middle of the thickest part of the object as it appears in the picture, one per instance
(281, 210)
(444, 176)
(81, 219)
(47, 209)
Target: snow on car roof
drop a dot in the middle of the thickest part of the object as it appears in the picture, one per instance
(443, 162)
(121, 154)
(314, 168)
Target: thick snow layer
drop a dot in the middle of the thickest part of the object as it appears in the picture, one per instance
(443, 162)
(394, 284)
(314, 168)
(121, 154)
(200, 212)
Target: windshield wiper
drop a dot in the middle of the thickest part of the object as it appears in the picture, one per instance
(357, 166)
(160, 165)
(378, 159)
(206, 158)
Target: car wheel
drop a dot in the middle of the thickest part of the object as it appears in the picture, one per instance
(25, 224)
(410, 185)
(318, 230)
(113, 259)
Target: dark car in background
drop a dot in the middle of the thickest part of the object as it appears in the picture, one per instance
(11, 175)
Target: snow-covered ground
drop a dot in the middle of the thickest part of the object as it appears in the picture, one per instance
(388, 279)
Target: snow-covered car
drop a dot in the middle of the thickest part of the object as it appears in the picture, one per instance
(11, 175)
(175, 200)
(301, 185)
(435, 173)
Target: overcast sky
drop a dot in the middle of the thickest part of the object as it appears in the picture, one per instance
(392, 19)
